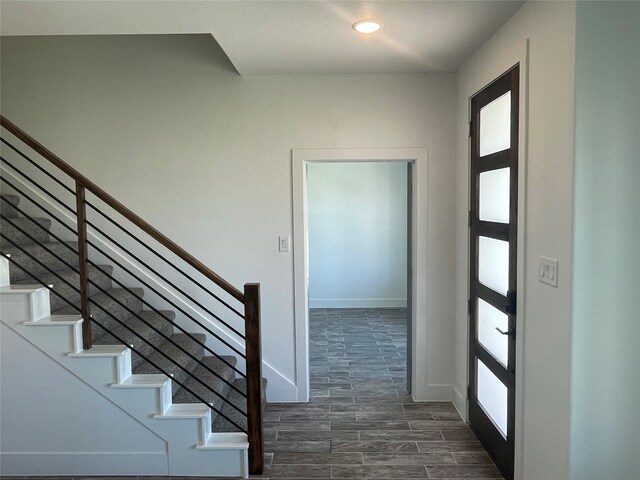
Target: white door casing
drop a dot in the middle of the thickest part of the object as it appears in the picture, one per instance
(418, 157)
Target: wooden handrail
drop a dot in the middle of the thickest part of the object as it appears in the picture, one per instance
(250, 298)
(121, 209)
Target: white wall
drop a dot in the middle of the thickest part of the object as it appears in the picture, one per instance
(545, 225)
(54, 422)
(165, 124)
(605, 387)
(357, 221)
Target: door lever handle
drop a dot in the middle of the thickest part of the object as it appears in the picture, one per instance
(510, 332)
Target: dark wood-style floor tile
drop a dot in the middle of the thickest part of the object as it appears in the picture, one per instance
(299, 446)
(295, 407)
(458, 435)
(376, 408)
(477, 458)
(376, 416)
(445, 416)
(379, 471)
(285, 436)
(271, 416)
(380, 425)
(301, 425)
(309, 416)
(463, 471)
(319, 392)
(374, 446)
(402, 436)
(434, 447)
(409, 459)
(323, 401)
(316, 458)
(437, 425)
(381, 398)
(429, 407)
(296, 471)
(358, 391)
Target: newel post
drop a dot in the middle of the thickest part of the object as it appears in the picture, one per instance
(254, 376)
(81, 213)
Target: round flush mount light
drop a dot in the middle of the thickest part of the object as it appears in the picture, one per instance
(367, 26)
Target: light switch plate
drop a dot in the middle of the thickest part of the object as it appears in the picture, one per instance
(548, 271)
(283, 243)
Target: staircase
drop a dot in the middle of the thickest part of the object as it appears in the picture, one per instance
(51, 281)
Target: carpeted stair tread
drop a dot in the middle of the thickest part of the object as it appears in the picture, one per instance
(157, 320)
(6, 205)
(70, 256)
(11, 198)
(129, 300)
(28, 226)
(220, 424)
(181, 395)
(68, 292)
(177, 355)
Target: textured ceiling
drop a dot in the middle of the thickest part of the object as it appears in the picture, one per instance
(286, 37)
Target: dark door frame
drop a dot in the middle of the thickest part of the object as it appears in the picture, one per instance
(500, 448)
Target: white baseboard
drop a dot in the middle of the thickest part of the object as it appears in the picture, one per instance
(279, 387)
(83, 463)
(460, 403)
(433, 393)
(357, 302)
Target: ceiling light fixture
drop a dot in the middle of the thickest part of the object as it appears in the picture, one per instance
(367, 26)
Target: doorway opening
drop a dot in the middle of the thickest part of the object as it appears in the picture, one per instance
(359, 277)
(414, 163)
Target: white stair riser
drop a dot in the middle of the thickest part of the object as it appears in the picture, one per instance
(123, 367)
(18, 307)
(4, 271)
(222, 463)
(165, 397)
(193, 430)
(101, 372)
(142, 402)
(52, 338)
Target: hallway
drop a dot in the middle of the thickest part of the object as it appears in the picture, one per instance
(360, 422)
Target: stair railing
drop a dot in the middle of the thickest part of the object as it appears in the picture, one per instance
(249, 298)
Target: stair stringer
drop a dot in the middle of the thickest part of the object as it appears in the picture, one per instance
(279, 387)
(192, 449)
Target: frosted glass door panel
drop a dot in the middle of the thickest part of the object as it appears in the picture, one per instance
(492, 396)
(493, 264)
(494, 195)
(495, 125)
(493, 341)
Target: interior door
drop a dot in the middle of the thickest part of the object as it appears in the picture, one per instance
(493, 261)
